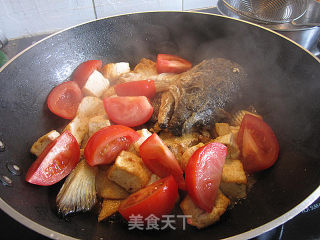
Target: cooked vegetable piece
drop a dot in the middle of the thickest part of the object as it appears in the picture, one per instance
(167, 63)
(158, 198)
(38, 147)
(108, 189)
(129, 172)
(64, 99)
(128, 111)
(55, 162)
(96, 84)
(104, 146)
(258, 144)
(113, 71)
(84, 70)
(200, 218)
(203, 174)
(160, 160)
(78, 192)
(109, 207)
(136, 88)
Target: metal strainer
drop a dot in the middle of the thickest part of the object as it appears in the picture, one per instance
(269, 11)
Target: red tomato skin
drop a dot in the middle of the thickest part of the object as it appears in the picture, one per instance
(158, 198)
(84, 70)
(64, 99)
(207, 162)
(115, 137)
(167, 63)
(55, 162)
(160, 160)
(136, 88)
(266, 150)
(128, 111)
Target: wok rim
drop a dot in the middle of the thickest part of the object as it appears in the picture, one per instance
(245, 235)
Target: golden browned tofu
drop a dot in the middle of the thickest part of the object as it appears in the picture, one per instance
(109, 207)
(78, 128)
(129, 172)
(233, 180)
(222, 129)
(200, 218)
(234, 130)
(229, 141)
(88, 108)
(43, 141)
(178, 145)
(112, 71)
(187, 155)
(144, 134)
(146, 67)
(96, 123)
(109, 189)
(109, 92)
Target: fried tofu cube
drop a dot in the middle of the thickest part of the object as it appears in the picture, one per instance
(109, 189)
(112, 71)
(233, 179)
(235, 130)
(178, 145)
(200, 218)
(229, 141)
(109, 93)
(90, 107)
(187, 155)
(96, 123)
(38, 147)
(146, 67)
(144, 134)
(129, 172)
(222, 129)
(78, 128)
(96, 84)
(109, 207)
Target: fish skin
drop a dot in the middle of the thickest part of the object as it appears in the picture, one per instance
(202, 92)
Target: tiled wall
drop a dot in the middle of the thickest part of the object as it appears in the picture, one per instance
(19, 18)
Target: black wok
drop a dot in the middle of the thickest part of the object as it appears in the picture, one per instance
(284, 88)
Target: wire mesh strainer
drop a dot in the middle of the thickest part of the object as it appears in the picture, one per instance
(270, 11)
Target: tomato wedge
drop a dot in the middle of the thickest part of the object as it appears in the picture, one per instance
(55, 162)
(136, 88)
(167, 63)
(104, 146)
(128, 111)
(84, 70)
(203, 174)
(160, 160)
(258, 144)
(64, 100)
(158, 198)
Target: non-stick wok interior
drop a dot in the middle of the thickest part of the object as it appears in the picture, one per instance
(284, 86)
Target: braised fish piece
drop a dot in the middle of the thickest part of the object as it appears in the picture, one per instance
(202, 93)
